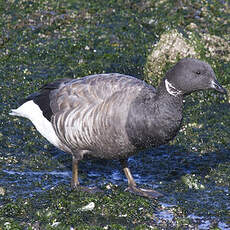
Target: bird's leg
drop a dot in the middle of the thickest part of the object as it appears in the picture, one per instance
(131, 181)
(132, 186)
(75, 181)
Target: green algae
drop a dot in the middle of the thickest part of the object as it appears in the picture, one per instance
(44, 40)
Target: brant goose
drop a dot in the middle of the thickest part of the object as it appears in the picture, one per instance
(113, 116)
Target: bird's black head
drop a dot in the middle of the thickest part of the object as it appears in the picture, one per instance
(190, 75)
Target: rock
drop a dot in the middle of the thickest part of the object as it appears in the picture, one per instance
(2, 191)
(192, 181)
(88, 207)
(171, 47)
(192, 26)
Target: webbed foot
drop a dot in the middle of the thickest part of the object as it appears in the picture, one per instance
(149, 193)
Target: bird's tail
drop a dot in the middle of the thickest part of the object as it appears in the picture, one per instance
(15, 112)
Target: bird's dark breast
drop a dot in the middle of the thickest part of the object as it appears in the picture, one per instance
(150, 124)
(145, 135)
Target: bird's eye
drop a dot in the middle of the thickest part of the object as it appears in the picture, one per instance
(198, 72)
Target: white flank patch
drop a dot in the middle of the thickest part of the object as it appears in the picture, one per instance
(32, 111)
(171, 89)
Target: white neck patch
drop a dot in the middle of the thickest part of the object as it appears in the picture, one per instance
(172, 89)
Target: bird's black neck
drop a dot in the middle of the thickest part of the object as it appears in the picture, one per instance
(155, 119)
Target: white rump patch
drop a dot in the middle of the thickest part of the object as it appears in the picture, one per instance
(171, 89)
(32, 111)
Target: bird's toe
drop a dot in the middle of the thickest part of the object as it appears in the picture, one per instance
(149, 193)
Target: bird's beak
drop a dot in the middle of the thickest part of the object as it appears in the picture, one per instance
(215, 85)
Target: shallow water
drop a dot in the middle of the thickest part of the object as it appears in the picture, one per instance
(162, 169)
